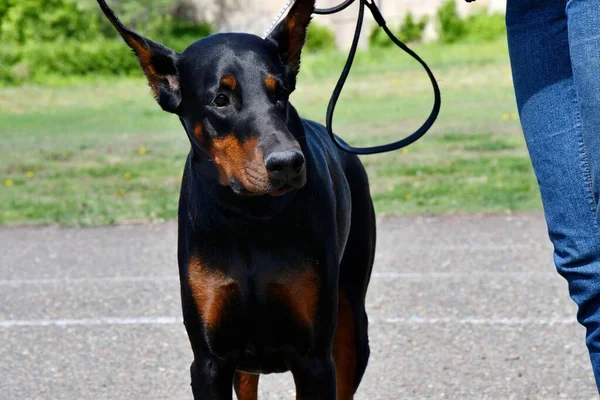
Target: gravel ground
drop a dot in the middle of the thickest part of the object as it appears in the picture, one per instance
(462, 307)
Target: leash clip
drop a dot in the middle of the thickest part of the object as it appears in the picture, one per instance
(278, 17)
(376, 13)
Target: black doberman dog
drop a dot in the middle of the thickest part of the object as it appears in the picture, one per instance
(276, 225)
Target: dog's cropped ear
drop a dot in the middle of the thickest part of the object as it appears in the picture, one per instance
(158, 62)
(290, 34)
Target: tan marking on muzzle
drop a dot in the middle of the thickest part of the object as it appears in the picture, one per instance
(242, 161)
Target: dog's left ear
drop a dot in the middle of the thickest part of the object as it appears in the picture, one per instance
(290, 34)
(158, 62)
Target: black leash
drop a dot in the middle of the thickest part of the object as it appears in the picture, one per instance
(346, 71)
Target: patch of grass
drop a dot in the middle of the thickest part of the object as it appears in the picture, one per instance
(100, 151)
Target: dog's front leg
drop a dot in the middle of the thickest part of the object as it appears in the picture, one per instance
(314, 377)
(211, 381)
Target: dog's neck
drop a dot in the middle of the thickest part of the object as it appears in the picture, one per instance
(204, 179)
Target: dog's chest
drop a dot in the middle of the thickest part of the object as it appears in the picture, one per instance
(256, 303)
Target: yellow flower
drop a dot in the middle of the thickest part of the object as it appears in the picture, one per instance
(408, 196)
(405, 151)
(505, 116)
(122, 192)
(142, 150)
(9, 183)
(29, 174)
(127, 176)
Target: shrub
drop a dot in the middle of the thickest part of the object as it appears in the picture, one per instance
(411, 31)
(319, 38)
(485, 27)
(452, 27)
(479, 26)
(23, 21)
(34, 61)
(108, 57)
(9, 58)
(379, 39)
(180, 34)
(72, 50)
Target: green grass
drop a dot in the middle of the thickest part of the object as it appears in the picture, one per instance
(101, 152)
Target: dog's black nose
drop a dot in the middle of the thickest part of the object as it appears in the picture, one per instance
(285, 165)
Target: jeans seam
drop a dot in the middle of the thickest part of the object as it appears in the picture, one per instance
(584, 162)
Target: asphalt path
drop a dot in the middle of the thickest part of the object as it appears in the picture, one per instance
(461, 307)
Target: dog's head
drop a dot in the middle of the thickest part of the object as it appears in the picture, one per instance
(231, 92)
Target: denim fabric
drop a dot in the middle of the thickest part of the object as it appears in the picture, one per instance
(555, 57)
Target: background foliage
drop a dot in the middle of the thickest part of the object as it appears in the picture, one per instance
(71, 38)
(477, 27)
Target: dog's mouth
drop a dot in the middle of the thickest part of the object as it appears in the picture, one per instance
(249, 185)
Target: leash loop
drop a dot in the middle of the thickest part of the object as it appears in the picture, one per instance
(346, 71)
(413, 137)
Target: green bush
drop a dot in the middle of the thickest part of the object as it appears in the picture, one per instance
(411, 31)
(485, 27)
(480, 26)
(379, 39)
(80, 59)
(23, 21)
(10, 57)
(319, 38)
(72, 38)
(33, 62)
(181, 34)
(28, 21)
(452, 27)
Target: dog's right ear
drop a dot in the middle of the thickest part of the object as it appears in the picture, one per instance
(158, 62)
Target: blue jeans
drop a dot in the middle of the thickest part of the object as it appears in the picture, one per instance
(555, 57)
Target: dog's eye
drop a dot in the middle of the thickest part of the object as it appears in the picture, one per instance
(221, 101)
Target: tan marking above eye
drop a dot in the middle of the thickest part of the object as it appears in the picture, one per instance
(270, 82)
(229, 81)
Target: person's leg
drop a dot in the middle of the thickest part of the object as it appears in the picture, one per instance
(583, 18)
(554, 126)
